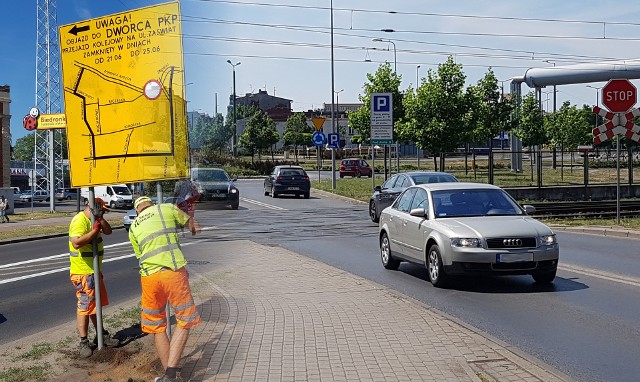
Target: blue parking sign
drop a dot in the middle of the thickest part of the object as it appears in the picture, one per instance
(382, 103)
(333, 140)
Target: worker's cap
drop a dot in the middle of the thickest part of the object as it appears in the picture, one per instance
(99, 203)
(141, 199)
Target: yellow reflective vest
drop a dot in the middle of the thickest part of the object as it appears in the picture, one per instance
(154, 237)
(82, 258)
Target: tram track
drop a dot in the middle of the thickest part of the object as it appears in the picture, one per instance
(586, 209)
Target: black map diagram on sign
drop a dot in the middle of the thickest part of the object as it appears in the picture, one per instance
(121, 119)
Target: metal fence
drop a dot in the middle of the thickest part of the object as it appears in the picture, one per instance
(541, 168)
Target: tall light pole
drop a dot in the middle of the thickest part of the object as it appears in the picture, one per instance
(234, 147)
(417, 86)
(338, 109)
(597, 99)
(417, 77)
(333, 151)
(395, 71)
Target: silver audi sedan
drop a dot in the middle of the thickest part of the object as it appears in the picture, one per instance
(464, 228)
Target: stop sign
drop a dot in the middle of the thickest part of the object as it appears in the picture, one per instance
(619, 96)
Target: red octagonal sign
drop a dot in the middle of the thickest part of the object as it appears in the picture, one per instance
(619, 96)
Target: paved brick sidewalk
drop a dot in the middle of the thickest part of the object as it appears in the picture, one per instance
(272, 315)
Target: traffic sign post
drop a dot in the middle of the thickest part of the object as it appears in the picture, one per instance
(123, 80)
(318, 138)
(318, 122)
(381, 118)
(619, 96)
(382, 124)
(333, 140)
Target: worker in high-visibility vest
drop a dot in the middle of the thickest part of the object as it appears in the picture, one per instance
(83, 276)
(155, 240)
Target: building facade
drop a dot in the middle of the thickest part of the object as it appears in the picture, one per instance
(277, 108)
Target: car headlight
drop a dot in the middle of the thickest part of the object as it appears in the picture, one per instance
(233, 190)
(466, 242)
(548, 240)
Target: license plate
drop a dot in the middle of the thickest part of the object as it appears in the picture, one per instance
(513, 257)
(218, 196)
(293, 188)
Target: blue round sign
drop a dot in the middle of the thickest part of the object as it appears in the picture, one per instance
(318, 138)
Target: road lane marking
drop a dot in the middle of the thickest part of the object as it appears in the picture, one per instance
(57, 270)
(599, 274)
(262, 204)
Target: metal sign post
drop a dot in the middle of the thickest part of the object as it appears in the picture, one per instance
(619, 125)
(382, 123)
(168, 306)
(97, 274)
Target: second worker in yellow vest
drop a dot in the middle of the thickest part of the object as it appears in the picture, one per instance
(154, 236)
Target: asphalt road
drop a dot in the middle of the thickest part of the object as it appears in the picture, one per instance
(585, 324)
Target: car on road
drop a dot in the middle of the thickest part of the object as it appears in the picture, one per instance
(215, 187)
(66, 193)
(466, 228)
(37, 196)
(131, 215)
(287, 179)
(383, 196)
(355, 167)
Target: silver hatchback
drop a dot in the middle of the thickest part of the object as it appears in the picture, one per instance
(465, 228)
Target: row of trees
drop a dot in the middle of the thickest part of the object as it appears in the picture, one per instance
(439, 116)
(443, 114)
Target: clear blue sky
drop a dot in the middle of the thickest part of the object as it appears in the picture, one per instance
(284, 46)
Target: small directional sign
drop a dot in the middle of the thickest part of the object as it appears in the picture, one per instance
(318, 138)
(333, 141)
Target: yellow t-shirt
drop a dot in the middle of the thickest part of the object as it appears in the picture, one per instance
(82, 258)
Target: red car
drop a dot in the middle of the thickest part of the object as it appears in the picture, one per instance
(355, 167)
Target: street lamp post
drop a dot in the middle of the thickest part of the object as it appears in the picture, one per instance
(234, 147)
(597, 99)
(417, 86)
(395, 71)
(333, 151)
(554, 115)
(337, 129)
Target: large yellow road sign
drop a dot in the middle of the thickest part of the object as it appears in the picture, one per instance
(123, 78)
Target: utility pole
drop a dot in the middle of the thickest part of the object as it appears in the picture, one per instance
(47, 154)
(234, 147)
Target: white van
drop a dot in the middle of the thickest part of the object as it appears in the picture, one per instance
(115, 196)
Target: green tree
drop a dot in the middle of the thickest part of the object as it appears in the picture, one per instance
(569, 126)
(530, 124)
(384, 80)
(297, 132)
(24, 148)
(259, 135)
(435, 115)
(489, 113)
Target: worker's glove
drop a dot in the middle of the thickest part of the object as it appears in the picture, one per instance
(97, 226)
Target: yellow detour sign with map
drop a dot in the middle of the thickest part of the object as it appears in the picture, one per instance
(123, 78)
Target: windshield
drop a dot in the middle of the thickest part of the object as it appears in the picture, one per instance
(212, 176)
(121, 190)
(475, 202)
(433, 178)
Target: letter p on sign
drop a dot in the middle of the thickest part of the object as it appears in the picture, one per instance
(381, 103)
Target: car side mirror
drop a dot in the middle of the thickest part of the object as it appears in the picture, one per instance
(377, 188)
(530, 210)
(234, 179)
(418, 212)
